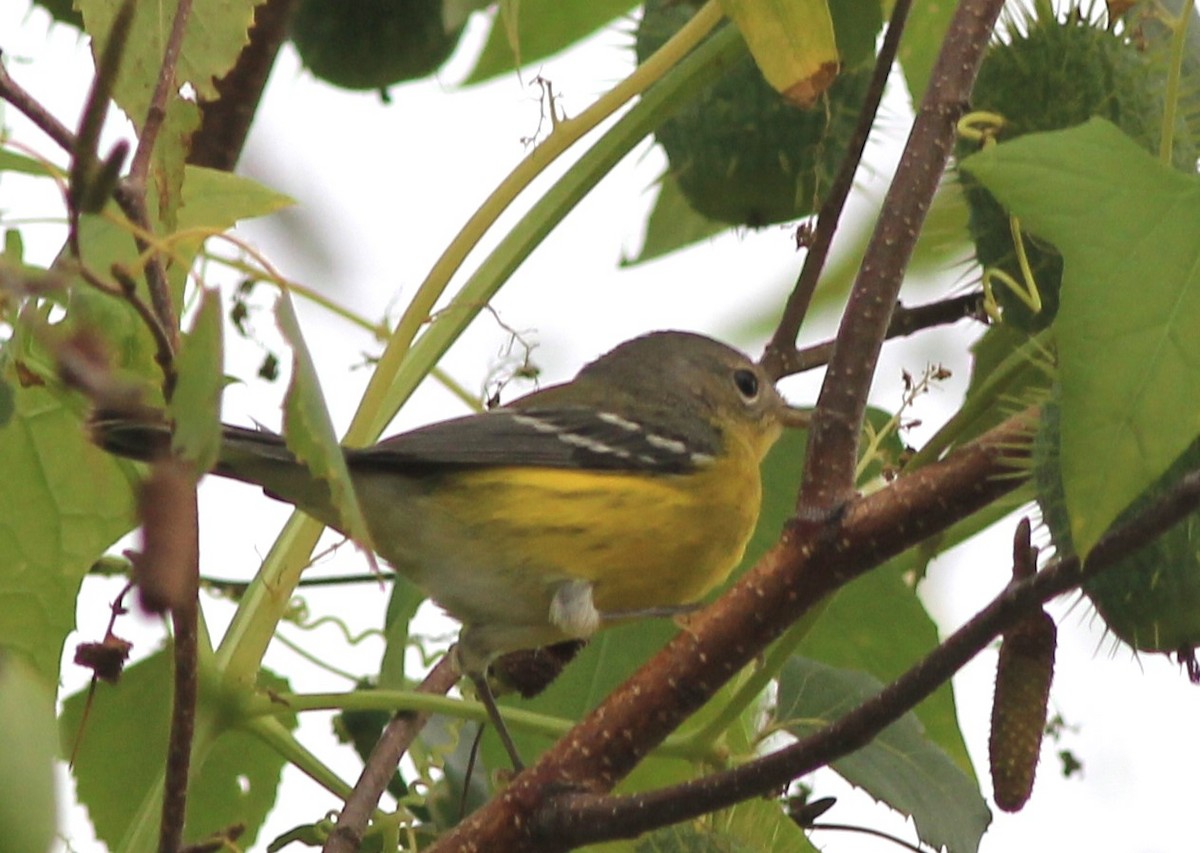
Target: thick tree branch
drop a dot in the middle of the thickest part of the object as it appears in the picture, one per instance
(574, 819)
(225, 122)
(833, 440)
(783, 343)
(790, 579)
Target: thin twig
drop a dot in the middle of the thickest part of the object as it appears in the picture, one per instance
(29, 107)
(116, 609)
(866, 830)
(164, 89)
(783, 342)
(82, 193)
(131, 194)
(381, 764)
(905, 321)
(833, 440)
(126, 289)
(573, 819)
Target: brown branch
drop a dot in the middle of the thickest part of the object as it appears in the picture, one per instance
(184, 575)
(131, 194)
(905, 321)
(783, 342)
(381, 764)
(83, 196)
(833, 439)
(29, 107)
(799, 572)
(164, 89)
(225, 122)
(574, 819)
(106, 660)
(167, 574)
(165, 336)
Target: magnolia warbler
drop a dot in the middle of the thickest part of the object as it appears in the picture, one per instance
(631, 490)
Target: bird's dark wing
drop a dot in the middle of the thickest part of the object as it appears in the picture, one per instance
(558, 437)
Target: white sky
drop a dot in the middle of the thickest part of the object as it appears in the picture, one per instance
(383, 189)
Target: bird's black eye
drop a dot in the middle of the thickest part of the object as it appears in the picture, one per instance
(746, 382)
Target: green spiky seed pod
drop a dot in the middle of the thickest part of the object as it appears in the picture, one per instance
(741, 153)
(372, 44)
(1050, 74)
(1023, 677)
(1150, 599)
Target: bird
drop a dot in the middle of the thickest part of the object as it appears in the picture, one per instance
(630, 491)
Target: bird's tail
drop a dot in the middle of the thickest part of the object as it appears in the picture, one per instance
(258, 457)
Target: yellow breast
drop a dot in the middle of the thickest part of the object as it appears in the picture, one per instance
(643, 541)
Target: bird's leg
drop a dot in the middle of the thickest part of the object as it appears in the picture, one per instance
(475, 667)
(484, 691)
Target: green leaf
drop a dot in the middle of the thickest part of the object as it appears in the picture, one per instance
(216, 33)
(792, 42)
(218, 200)
(607, 660)
(673, 224)
(104, 243)
(901, 766)
(195, 408)
(877, 624)
(123, 749)
(1128, 351)
(541, 28)
(856, 25)
(11, 161)
(762, 825)
(170, 158)
(781, 473)
(28, 747)
(924, 33)
(309, 431)
(755, 826)
(213, 201)
(406, 597)
(64, 502)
